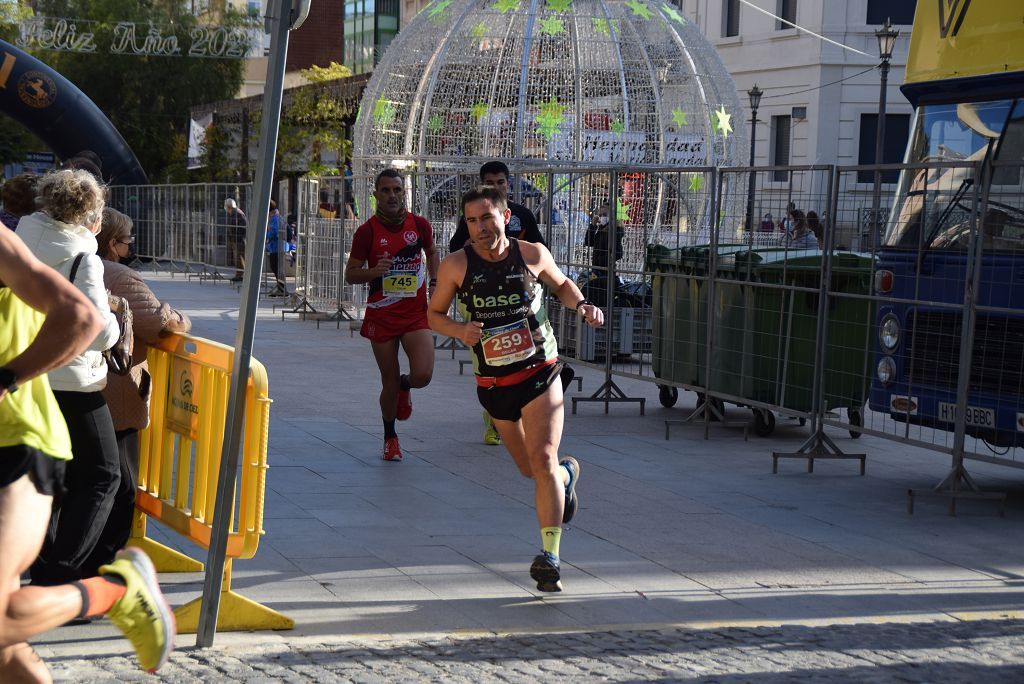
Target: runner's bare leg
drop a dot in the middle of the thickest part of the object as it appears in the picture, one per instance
(27, 611)
(533, 443)
(419, 347)
(386, 354)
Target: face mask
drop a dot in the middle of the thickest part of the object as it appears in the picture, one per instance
(602, 220)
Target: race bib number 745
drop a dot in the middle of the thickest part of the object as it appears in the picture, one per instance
(400, 284)
(507, 344)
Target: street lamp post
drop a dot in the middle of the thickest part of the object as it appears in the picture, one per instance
(754, 94)
(886, 43)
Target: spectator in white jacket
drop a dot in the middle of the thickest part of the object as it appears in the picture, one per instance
(61, 235)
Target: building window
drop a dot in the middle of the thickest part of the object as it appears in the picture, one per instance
(785, 10)
(369, 26)
(897, 130)
(781, 135)
(730, 18)
(897, 11)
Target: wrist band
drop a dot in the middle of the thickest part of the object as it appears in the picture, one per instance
(581, 303)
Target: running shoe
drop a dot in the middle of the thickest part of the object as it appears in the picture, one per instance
(547, 571)
(392, 451)
(142, 614)
(404, 404)
(491, 435)
(572, 502)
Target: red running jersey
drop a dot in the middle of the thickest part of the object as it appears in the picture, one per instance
(403, 291)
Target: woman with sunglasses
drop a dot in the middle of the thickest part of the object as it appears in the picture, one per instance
(128, 395)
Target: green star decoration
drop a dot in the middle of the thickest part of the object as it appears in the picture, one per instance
(722, 123)
(549, 118)
(617, 127)
(540, 182)
(478, 110)
(640, 9)
(383, 112)
(438, 8)
(435, 124)
(621, 211)
(603, 26)
(479, 31)
(506, 6)
(696, 182)
(679, 118)
(673, 14)
(552, 26)
(559, 5)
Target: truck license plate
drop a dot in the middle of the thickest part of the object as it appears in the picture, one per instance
(979, 417)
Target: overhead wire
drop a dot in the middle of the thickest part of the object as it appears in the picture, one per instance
(823, 85)
(808, 31)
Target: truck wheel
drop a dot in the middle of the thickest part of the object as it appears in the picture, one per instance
(855, 416)
(668, 396)
(764, 422)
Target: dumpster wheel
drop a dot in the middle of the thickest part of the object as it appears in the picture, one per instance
(855, 416)
(764, 422)
(668, 396)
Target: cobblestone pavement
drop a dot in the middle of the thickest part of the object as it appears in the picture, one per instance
(978, 651)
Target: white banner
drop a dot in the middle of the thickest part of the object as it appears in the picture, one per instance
(196, 138)
(685, 150)
(614, 148)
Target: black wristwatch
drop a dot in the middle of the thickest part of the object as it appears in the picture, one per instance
(581, 303)
(8, 380)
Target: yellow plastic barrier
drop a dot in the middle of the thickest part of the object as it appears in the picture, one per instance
(179, 463)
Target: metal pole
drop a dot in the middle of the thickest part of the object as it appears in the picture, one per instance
(972, 282)
(709, 336)
(278, 23)
(609, 324)
(883, 69)
(750, 182)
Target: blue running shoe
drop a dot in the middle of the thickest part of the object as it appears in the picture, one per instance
(572, 502)
(547, 572)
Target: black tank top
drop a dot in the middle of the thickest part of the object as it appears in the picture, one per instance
(507, 298)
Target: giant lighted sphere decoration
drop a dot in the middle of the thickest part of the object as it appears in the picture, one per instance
(544, 82)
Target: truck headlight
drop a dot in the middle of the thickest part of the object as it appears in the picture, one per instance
(886, 370)
(889, 332)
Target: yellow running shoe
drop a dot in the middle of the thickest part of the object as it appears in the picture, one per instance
(142, 614)
(491, 436)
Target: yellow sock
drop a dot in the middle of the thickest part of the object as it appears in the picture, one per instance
(551, 537)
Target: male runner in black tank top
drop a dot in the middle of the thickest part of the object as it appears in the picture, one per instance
(521, 226)
(498, 283)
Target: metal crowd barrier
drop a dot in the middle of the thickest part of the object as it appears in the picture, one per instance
(707, 293)
(179, 462)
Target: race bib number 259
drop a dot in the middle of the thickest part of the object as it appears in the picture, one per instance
(507, 344)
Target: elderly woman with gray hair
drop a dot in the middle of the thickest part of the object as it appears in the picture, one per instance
(62, 234)
(128, 395)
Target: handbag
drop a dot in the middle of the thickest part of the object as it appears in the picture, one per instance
(119, 356)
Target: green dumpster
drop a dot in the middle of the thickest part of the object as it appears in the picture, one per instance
(679, 308)
(765, 335)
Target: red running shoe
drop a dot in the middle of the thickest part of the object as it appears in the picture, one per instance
(404, 405)
(392, 451)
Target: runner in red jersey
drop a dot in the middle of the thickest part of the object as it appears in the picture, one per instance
(393, 252)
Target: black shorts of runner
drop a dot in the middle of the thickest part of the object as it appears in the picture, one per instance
(46, 472)
(506, 403)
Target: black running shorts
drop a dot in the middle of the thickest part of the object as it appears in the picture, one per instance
(46, 472)
(506, 403)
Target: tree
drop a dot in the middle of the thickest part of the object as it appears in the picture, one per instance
(316, 120)
(146, 98)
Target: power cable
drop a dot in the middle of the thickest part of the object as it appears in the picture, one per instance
(801, 28)
(824, 85)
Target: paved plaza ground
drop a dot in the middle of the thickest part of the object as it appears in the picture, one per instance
(688, 560)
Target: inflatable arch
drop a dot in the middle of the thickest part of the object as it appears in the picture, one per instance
(62, 116)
